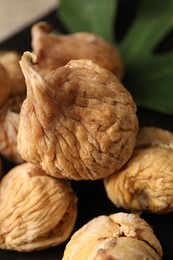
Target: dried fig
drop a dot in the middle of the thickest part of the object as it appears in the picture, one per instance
(9, 123)
(118, 236)
(5, 84)
(55, 51)
(145, 182)
(10, 60)
(77, 122)
(37, 211)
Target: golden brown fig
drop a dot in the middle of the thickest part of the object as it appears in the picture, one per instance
(37, 211)
(10, 60)
(146, 181)
(9, 123)
(5, 85)
(78, 122)
(118, 236)
(55, 51)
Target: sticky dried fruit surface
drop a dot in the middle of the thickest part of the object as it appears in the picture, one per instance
(5, 84)
(118, 236)
(78, 122)
(10, 61)
(146, 181)
(37, 211)
(54, 51)
(9, 123)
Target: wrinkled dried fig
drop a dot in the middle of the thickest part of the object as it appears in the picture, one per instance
(37, 211)
(9, 123)
(78, 122)
(55, 51)
(5, 85)
(10, 60)
(146, 181)
(118, 236)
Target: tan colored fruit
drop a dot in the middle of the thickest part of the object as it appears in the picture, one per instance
(55, 51)
(37, 211)
(9, 123)
(78, 122)
(146, 181)
(5, 85)
(118, 236)
(10, 60)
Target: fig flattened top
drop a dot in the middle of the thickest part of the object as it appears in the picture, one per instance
(38, 211)
(118, 235)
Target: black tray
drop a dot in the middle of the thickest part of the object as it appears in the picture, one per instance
(92, 197)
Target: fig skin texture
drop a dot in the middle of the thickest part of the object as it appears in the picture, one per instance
(118, 236)
(145, 182)
(5, 85)
(10, 61)
(77, 122)
(9, 123)
(55, 51)
(37, 211)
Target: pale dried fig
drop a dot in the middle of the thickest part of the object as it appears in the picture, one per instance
(118, 236)
(37, 211)
(78, 122)
(10, 60)
(55, 51)
(146, 181)
(5, 85)
(9, 123)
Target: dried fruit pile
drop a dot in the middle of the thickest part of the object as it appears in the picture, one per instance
(65, 115)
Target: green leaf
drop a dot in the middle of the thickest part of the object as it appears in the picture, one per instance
(151, 83)
(154, 19)
(96, 16)
(149, 77)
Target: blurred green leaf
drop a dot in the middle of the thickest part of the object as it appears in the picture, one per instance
(151, 82)
(95, 16)
(149, 76)
(153, 21)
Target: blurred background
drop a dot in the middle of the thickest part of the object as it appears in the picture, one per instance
(17, 14)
